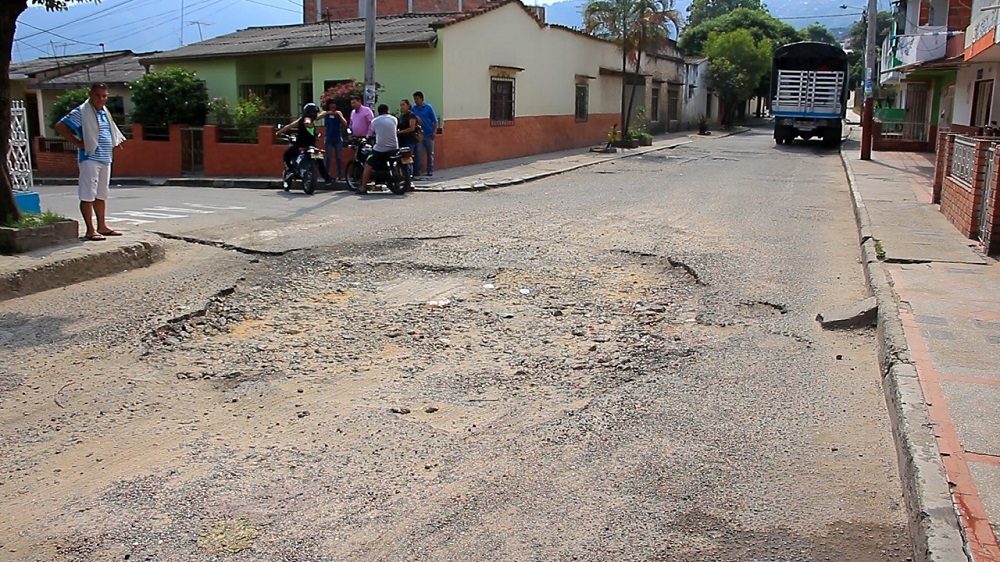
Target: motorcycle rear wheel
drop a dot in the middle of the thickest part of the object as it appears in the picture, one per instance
(353, 173)
(397, 181)
(309, 180)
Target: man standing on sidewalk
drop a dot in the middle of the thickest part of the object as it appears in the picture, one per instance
(361, 118)
(425, 147)
(93, 132)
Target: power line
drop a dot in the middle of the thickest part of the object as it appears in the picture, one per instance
(273, 6)
(60, 36)
(77, 20)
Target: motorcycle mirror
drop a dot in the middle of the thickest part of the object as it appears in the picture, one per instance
(278, 126)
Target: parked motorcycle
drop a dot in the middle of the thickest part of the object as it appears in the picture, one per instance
(305, 168)
(396, 175)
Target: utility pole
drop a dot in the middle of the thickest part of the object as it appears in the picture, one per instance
(867, 116)
(370, 7)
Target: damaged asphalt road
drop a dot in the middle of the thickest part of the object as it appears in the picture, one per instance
(597, 366)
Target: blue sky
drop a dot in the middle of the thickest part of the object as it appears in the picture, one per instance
(141, 25)
(155, 25)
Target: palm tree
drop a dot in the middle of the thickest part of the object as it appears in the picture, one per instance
(638, 26)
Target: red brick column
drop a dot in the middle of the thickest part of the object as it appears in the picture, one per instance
(992, 239)
(942, 162)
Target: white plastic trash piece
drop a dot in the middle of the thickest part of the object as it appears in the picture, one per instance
(442, 302)
(525, 291)
(489, 286)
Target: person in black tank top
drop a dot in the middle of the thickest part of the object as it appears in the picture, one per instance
(305, 136)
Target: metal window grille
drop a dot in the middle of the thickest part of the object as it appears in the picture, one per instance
(19, 148)
(962, 156)
(582, 102)
(654, 114)
(989, 187)
(501, 101)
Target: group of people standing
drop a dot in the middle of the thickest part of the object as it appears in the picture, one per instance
(414, 129)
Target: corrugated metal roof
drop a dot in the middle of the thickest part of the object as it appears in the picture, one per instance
(117, 71)
(44, 64)
(346, 34)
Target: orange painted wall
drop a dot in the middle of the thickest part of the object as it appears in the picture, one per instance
(472, 141)
(149, 158)
(135, 158)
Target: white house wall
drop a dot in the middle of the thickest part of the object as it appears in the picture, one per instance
(965, 88)
(552, 59)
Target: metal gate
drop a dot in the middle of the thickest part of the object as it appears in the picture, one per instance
(989, 184)
(19, 148)
(192, 150)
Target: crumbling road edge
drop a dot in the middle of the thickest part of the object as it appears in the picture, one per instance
(931, 515)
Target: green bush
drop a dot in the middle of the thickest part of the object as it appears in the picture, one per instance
(66, 103)
(169, 96)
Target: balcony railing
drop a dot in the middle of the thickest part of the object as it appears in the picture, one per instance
(903, 131)
(982, 23)
(929, 43)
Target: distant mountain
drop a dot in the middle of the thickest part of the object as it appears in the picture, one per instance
(798, 13)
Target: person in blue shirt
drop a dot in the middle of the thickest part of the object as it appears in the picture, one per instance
(425, 147)
(90, 128)
(335, 125)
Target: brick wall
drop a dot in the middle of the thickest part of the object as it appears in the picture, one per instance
(925, 12)
(136, 158)
(959, 15)
(941, 162)
(348, 9)
(992, 229)
(960, 202)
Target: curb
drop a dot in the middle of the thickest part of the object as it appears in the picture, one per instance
(64, 272)
(483, 186)
(475, 186)
(932, 519)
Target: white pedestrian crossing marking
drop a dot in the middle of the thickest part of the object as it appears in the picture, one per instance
(151, 214)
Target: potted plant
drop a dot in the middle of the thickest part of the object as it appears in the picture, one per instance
(36, 230)
(703, 125)
(644, 138)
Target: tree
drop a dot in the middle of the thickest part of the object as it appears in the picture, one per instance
(761, 25)
(856, 39)
(818, 32)
(9, 12)
(736, 64)
(703, 10)
(66, 103)
(172, 95)
(638, 26)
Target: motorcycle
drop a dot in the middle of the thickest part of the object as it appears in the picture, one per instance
(397, 175)
(305, 167)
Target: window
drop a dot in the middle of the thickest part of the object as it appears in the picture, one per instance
(501, 101)
(582, 102)
(673, 103)
(305, 93)
(654, 114)
(277, 97)
(981, 100)
(116, 105)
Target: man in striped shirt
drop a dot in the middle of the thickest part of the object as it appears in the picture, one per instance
(91, 129)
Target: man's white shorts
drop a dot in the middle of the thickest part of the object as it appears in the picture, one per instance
(95, 179)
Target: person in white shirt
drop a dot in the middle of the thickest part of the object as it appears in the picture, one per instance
(386, 143)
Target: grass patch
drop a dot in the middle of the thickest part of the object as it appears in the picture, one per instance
(879, 251)
(29, 220)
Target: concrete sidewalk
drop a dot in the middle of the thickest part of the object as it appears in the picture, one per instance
(75, 262)
(939, 327)
(463, 178)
